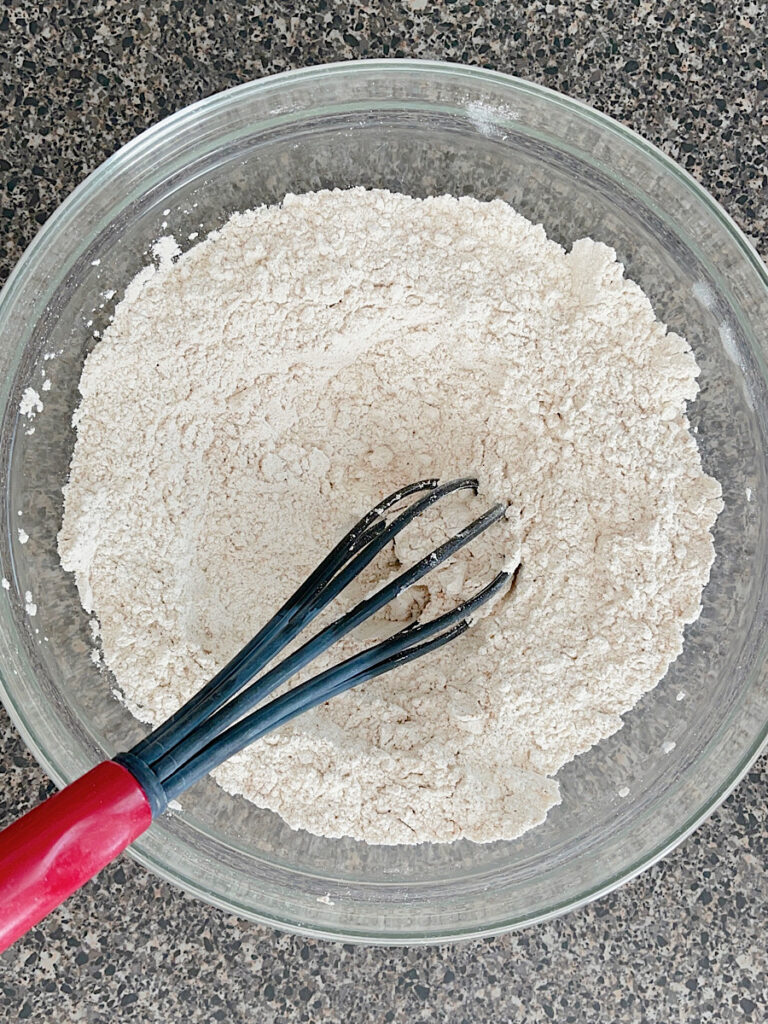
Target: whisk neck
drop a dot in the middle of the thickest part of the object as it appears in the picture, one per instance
(149, 782)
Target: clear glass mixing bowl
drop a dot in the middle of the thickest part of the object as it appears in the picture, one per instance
(419, 128)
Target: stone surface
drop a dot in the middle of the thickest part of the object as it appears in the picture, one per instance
(686, 940)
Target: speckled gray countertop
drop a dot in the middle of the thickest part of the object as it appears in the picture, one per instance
(684, 942)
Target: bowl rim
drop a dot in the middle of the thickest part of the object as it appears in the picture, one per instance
(394, 67)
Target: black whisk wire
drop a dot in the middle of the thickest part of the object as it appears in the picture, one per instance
(220, 720)
(277, 633)
(309, 651)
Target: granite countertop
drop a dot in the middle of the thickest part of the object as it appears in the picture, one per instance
(686, 940)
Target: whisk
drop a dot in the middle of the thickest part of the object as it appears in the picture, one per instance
(56, 847)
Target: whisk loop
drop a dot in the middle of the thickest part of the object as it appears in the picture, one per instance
(220, 719)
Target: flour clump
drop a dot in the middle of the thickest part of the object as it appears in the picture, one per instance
(254, 395)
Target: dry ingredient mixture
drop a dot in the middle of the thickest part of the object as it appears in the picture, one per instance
(257, 393)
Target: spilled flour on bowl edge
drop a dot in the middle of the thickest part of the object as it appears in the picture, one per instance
(256, 394)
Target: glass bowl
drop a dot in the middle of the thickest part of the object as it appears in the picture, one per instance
(419, 128)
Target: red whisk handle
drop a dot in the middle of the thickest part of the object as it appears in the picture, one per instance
(58, 845)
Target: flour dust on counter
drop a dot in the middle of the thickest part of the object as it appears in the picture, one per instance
(254, 394)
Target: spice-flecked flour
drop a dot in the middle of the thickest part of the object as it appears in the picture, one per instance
(258, 393)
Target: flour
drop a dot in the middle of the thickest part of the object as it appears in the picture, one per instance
(255, 395)
(30, 404)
